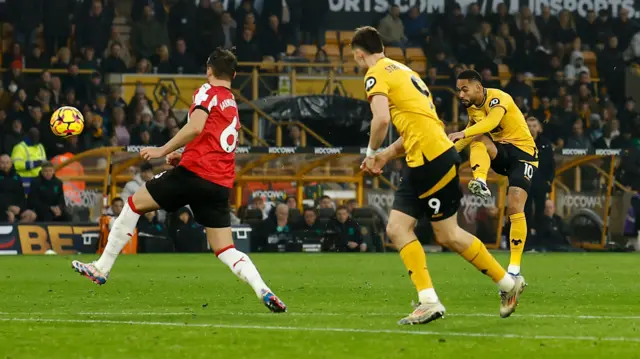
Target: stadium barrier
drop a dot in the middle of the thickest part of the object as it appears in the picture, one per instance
(73, 238)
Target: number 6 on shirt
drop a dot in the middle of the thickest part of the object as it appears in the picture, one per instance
(229, 131)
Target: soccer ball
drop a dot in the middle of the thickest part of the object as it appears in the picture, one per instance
(67, 121)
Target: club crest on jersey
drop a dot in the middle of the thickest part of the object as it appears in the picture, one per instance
(494, 102)
(369, 83)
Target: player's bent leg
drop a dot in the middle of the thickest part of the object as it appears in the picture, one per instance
(120, 234)
(449, 234)
(400, 230)
(481, 153)
(221, 242)
(516, 199)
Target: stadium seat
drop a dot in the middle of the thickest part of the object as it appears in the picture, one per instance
(345, 37)
(294, 216)
(350, 68)
(394, 53)
(253, 214)
(333, 52)
(331, 37)
(419, 67)
(324, 216)
(590, 62)
(415, 54)
(347, 54)
(308, 51)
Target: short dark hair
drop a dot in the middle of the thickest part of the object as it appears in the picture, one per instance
(342, 208)
(325, 196)
(310, 209)
(223, 63)
(117, 199)
(471, 75)
(47, 164)
(533, 118)
(367, 39)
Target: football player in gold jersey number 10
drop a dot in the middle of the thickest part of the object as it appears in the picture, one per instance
(509, 149)
(430, 185)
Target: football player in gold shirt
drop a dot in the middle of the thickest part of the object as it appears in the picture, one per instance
(430, 184)
(508, 148)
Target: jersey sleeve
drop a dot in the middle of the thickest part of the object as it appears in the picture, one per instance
(204, 98)
(497, 99)
(375, 83)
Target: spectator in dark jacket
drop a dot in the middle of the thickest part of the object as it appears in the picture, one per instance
(37, 59)
(552, 232)
(57, 23)
(13, 137)
(26, 16)
(182, 22)
(182, 60)
(46, 196)
(630, 166)
(190, 236)
(543, 178)
(12, 196)
(272, 39)
(114, 62)
(95, 29)
(247, 49)
(345, 232)
(309, 225)
(148, 34)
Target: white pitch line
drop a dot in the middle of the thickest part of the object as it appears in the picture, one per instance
(321, 314)
(326, 329)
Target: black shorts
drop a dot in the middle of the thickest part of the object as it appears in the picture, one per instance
(416, 181)
(178, 187)
(511, 161)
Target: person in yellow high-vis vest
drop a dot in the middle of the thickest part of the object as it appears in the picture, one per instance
(27, 157)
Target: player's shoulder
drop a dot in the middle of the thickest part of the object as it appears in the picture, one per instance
(497, 97)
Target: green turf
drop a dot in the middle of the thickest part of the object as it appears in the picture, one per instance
(341, 306)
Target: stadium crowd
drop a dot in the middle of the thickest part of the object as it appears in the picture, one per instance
(567, 71)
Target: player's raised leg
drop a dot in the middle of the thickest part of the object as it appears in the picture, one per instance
(516, 200)
(120, 234)
(400, 230)
(450, 235)
(482, 151)
(221, 242)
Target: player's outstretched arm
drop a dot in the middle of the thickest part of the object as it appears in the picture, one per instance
(395, 150)
(487, 125)
(194, 127)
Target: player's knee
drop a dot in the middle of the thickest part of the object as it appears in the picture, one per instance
(395, 230)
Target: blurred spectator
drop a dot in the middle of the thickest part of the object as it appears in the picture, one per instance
(291, 202)
(12, 196)
(57, 24)
(229, 30)
(272, 40)
(27, 15)
(351, 205)
(484, 45)
(543, 178)
(89, 60)
(415, 26)
(502, 16)
(578, 139)
(117, 204)
(525, 18)
(527, 43)
(160, 61)
(46, 196)
(115, 98)
(149, 225)
(28, 157)
(309, 224)
(575, 67)
(606, 140)
(148, 34)
(62, 59)
(624, 28)
(56, 95)
(345, 232)
(93, 135)
(120, 130)
(190, 236)
(274, 229)
(505, 44)
(160, 132)
(259, 204)
(94, 30)
(114, 62)
(182, 22)
(209, 30)
(37, 59)
(182, 60)
(518, 88)
(391, 28)
(611, 67)
(145, 174)
(552, 232)
(326, 202)
(567, 32)
(74, 81)
(15, 55)
(247, 50)
(294, 138)
(314, 25)
(12, 137)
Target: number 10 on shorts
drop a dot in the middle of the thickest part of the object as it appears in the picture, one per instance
(528, 171)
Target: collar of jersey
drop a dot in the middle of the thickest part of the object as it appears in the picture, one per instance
(484, 98)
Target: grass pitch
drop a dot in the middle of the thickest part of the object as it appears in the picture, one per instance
(340, 306)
